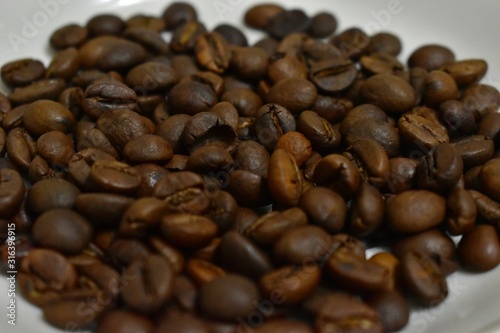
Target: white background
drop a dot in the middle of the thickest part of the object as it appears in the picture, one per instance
(470, 28)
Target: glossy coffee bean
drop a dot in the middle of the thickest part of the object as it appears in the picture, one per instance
(141, 216)
(457, 118)
(206, 128)
(228, 298)
(439, 88)
(421, 133)
(490, 127)
(21, 148)
(44, 89)
(401, 174)
(81, 164)
(152, 77)
(297, 145)
(479, 249)
(481, 99)
(487, 209)
(353, 42)
(323, 137)
(253, 157)
(148, 149)
(105, 24)
(44, 116)
(65, 64)
(101, 97)
(334, 75)
(247, 102)
(56, 148)
(371, 160)
(114, 177)
(431, 57)
(185, 35)
(213, 52)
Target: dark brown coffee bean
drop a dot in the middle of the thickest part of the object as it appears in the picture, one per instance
(490, 128)
(457, 118)
(49, 89)
(324, 208)
(188, 231)
(475, 150)
(171, 130)
(104, 96)
(439, 88)
(433, 243)
(487, 209)
(367, 211)
(268, 44)
(431, 57)
(56, 148)
(384, 42)
(209, 159)
(105, 24)
(303, 245)
(88, 136)
(381, 63)
(288, 22)
(322, 25)
(71, 35)
(441, 169)
(489, 178)
(122, 252)
(284, 67)
(421, 133)
(206, 128)
(338, 173)
(294, 94)
(114, 177)
(62, 230)
(21, 148)
(202, 271)
(142, 216)
(399, 208)
(120, 321)
(271, 123)
(379, 130)
(150, 175)
(65, 64)
(39, 169)
(177, 14)
(232, 34)
(72, 99)
(12, 192)
(286, 182)
(228, 298)
(22, 72)
(44, 116)
(333, 75)
(392, 308)
(360, 113)
(356, 273)
(102, 209)
(295, 144)
(191, 98)
(149, 39)
(353, 42)
(148, 149)
(479, 249)
(323, 137)
(213, 52)
(294, 283)
(145, 21)
(14, 118)
(81, 163)
(259, 16)
(253, 157)
(270, 227)
(179, 322)
(461, 212)
(228, 113)
(248, 188)
(150, 284)
(481, 99)
(151, 77)
(185, 35)
(246, 101)
(401, 175)
(391, 93)
(371, 159)
(466, 72)
(3, 138)
(51, 194)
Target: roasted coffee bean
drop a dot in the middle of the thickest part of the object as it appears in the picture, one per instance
(294, 94)
(65, 64)
(40, 169)
(322, 25)
(87, 76)
(46, 89)
(2, 142)
(295, 283)
(283, 67)
(56, 148)
(209, 159)
(475, 150)
(51, 194)
(333, 75)
(417, 80)
(367, 211)
(202, 271)
(391, 263)
(271, 123)
(22, 72)
(286, 182)
(177, 163)
(392, 308)
(44, 274)
(421, 133)
(457, 118)
(62, 230)
(391, 93)
(14, 118)
(171, 130)
(12, 192)
(248, 188)
(259, 16)
(441, 169)
(151, 77)
(479, 249)
(431, 57)
(185, 36)
(461, 212)
(466, 72)
(191, 98)
(288, 22)
(71, 35)
(489, 178)
(371, 159)
(228, 113)
(150, 284)
(268, 228)
(338, 173)
(246, 102)
(384, 42)
(487, 209)
(423, 279)
(122, 252)
(381, 63)
(439, 88)
(268, 44)
(399, 208)
(324, 208)
(72, 99)
(206, 128)
(21, 148)
(105, 24)
(213, 52)
(174, 256)
(213, 80)
(284, 326)
(81, 164)
(490, 128)
(188, 231)
(401, 174)
(148, 149)
(481, 99)
(114, 177)
(145, 21)
(120, 321)
(101, 97)
(177, 14)
(151, 40)
(102, 208)
(379, 130)
(150, 175)
(297, 145)
(353, 42)
(360, 113)
(111, 53)
(433, 243)
(232, 34)
(323, 137)
(253, 157)
(302, 245)
(44, 116)
(141, 216)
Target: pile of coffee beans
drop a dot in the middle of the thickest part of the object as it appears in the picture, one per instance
(204, 185)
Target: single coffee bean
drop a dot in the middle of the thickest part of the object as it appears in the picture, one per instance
(213, 52)
(433, 243)
(56, 148)
(423, 279)
(431, 57)
(294, 94)
(40, 169)
(145, 21)
(259, 16)
(404, 211)
(481, 99)
(209, 159)
(228, 297)
(384, 42)
(441, 169)
(371, 159)
(283, 67)
(391, 93)
(379, 130)
(149, 39)
(12, 192)
(151, 77)
(322, 25)
(202, 271)
(288, 22)
(206, 128)
(105, 24)
(81, 164)
(457, 118)
(45, 89)
(191, 98)
(439, 88)
(466, 72)
(393, 309)
(381, 63)
(297, 145)
(148, 149)
(421, 133)
(246, 102)
(338, 173)
(150, 284)
(141, 216)
(110, 53)
(353, 42)
(323, 137)
(271, 123)
(401, 175)
(333, 75)
(490, 127)
(102, 208)
(44, 116)
(14, 117)
(171, 130)
(367, 211)
(286, 182)
(188, 231)
(253, 157)
(51, 194)
(248, 188)
(232, 34)
(21, 148)
(62, 230)
(120, 321)
(71, 35)
(65, 64)
(123, 252)
(114, 177)
(487, 209)
(475, 150)
(302, 244)
(22, 72)
(185, 36)
(177, 14)
(324, 208)
(295, 283)
(72, 99)
(489, 178)
(391, 263)
(461, 212)
(479, 249)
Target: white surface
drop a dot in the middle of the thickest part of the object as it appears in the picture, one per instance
(470, 28)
